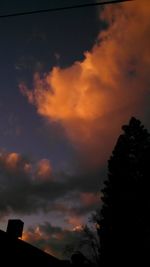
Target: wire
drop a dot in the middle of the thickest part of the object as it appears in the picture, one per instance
(62, 8)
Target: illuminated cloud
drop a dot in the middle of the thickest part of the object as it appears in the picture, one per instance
(52, 239)
(44, 169)
(12, 159)
(74, 221)
(92, 98)
(88, 198)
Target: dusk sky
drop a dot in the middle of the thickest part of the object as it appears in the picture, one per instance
(68, 81)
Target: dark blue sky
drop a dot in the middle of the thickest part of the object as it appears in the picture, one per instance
(36, 43)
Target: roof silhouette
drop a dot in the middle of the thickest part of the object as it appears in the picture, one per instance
(17, 252)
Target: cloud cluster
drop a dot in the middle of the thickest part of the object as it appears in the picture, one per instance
(27, 188)
(92, 98)
(61, 242)
(20, 186)
(52, 239)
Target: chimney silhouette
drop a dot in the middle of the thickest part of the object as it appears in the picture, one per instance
(15, 228)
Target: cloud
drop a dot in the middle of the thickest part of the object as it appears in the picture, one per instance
(51, 239)
(74, 221)
(61, 242)
(88, 199)
(12, 160)
(44, 169)
(92, 98)
(27, 188)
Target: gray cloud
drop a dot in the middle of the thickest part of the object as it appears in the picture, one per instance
(52, 239)
(27, 188)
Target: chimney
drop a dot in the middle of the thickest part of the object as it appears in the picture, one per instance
(15, 228)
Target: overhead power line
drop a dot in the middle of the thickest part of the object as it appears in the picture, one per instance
(62, 8)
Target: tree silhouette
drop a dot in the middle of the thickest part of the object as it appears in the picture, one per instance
(87, 244)
(129, 173)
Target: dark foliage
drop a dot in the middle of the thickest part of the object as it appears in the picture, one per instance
(129, 174)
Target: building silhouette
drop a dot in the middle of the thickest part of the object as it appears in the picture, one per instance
(16, 252)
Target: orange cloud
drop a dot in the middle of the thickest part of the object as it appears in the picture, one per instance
(51, 239)
(44, 169)
(93, 97)
(12, 160)
(78, 228)
(36, 236)
(32, 236)
(89, 199)
(28, 236)
(75, 221)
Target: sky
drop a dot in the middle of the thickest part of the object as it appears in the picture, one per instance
(68, 81)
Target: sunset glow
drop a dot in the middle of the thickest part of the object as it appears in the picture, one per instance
(69, 81)
(85, 96)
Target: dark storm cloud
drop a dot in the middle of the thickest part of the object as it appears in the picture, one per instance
(27, 188)
(21, 191)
